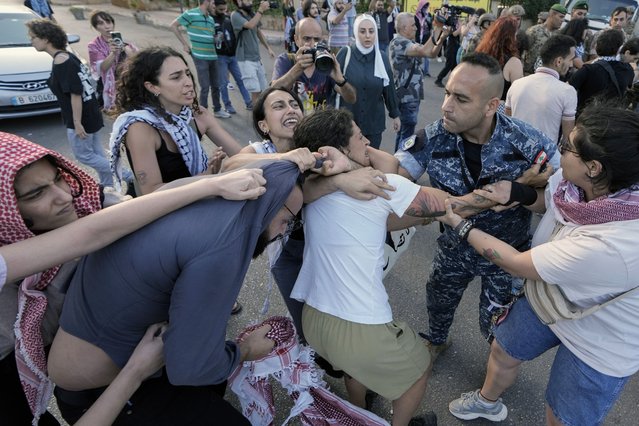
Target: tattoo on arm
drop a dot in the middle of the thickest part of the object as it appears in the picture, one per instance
(424, 205)
(491, 255)
(141, 177)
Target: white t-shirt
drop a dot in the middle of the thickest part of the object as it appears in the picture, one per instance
(542, 100)
(343, 253)
(592, 264)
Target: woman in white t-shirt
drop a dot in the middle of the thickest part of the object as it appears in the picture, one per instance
(586, 245)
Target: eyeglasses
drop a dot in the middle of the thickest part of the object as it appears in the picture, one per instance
(564, 146)
(292, 225)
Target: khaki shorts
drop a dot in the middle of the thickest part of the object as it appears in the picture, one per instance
(253, 76)
(386, 358)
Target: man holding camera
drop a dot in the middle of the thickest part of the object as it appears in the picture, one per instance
(246, 25)
(299, 72)
(200, 28)
(449, 19)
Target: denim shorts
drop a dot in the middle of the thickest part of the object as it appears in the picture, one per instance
(576, 393)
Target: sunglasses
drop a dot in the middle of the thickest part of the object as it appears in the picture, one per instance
(564, 146)
(292, 225)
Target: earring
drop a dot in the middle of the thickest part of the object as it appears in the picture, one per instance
(157, 94)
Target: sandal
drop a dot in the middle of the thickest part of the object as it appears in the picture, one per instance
(237, 308)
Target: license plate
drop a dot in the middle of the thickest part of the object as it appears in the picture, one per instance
(33, 99)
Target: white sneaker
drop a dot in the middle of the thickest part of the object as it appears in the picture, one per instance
(472, 406)
(221, 114)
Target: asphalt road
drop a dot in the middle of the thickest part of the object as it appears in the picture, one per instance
(460, 369)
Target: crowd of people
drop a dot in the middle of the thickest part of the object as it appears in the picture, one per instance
(127, 324)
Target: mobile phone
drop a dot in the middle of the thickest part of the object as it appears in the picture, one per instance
(117, 38)
(541, 158)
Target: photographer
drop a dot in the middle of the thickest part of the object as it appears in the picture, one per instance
(299, 72)
(246, 25)
(448, 18)
(106, 55)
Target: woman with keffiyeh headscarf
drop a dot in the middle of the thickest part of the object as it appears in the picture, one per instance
(586, 245)
(161, 123)
(368, 71)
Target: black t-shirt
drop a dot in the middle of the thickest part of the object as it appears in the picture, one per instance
(472, 157)
(224, 26)
(73, 77)
(593, 80)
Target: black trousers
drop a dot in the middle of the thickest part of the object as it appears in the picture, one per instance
(157, 402)
(451, 60)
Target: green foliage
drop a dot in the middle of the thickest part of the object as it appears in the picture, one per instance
(532, 7)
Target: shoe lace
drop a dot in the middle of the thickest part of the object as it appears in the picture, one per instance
(469, 399)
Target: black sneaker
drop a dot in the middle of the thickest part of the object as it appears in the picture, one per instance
(439, 83)
(427, 419)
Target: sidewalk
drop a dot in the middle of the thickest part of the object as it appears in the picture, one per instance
(156, 18)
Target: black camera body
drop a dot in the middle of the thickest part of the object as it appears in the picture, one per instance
(453, 16)
(117, 38)
(321, 56)
(273, 5)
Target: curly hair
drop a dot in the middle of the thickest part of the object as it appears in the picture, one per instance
(48, 30)
(142, 67)
(330, 127)
(500, 40)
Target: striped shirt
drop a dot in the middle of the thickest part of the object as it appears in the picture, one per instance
(201, 30)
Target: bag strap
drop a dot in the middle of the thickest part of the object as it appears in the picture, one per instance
(611, 74)
(346, 61)
(410, 76)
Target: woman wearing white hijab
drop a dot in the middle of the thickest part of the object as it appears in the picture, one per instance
(368, 71)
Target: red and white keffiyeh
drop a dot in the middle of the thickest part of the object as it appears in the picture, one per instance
(16, 153)
(292, 365)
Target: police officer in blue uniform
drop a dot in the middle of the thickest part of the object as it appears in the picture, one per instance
(471, 146)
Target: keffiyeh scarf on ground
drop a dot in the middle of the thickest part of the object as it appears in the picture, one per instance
(292, 365)
(16, 153)
(180, 130)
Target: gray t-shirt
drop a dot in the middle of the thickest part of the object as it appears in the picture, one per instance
(186, 268)
(248, 45)
(407, 90)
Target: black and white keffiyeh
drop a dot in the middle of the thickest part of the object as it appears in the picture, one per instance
(184, 136)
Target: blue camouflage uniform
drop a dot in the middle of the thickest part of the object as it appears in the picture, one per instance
(511, 150)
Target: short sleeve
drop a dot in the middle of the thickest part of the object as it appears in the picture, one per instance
(578, 260)
(184, 20)
(282, 66)
(67, 75)
(237, 20)
(570, 105)
(404, 194)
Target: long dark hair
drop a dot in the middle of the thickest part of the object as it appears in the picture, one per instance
(142, 67)
(259, 112)
(575, 28)
(609, 134)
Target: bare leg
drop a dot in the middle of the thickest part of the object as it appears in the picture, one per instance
(356, 391)
(500, 374)
(404, 408)
(551, 420)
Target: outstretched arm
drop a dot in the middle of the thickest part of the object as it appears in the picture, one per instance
(98, 230)
(498, 252)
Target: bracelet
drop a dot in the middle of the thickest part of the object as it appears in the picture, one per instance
(463, 228)
(342, 83)
(521, 193)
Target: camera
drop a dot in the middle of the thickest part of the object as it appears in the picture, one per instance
(273, 5)
(453, 17)
(321, 56)
(117, 38)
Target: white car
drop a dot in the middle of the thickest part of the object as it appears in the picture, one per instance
(23, 70)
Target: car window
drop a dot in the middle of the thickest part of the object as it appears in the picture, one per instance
(13, 32)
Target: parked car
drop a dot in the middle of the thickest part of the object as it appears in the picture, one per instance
(599, 13)
(23, 70)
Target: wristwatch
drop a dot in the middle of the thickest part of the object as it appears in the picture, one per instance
(342, 83)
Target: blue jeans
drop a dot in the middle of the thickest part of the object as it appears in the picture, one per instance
(576, 393)
(408, 118)
(207, 78)
(226, 64)
(426, 66)
(89, 152)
